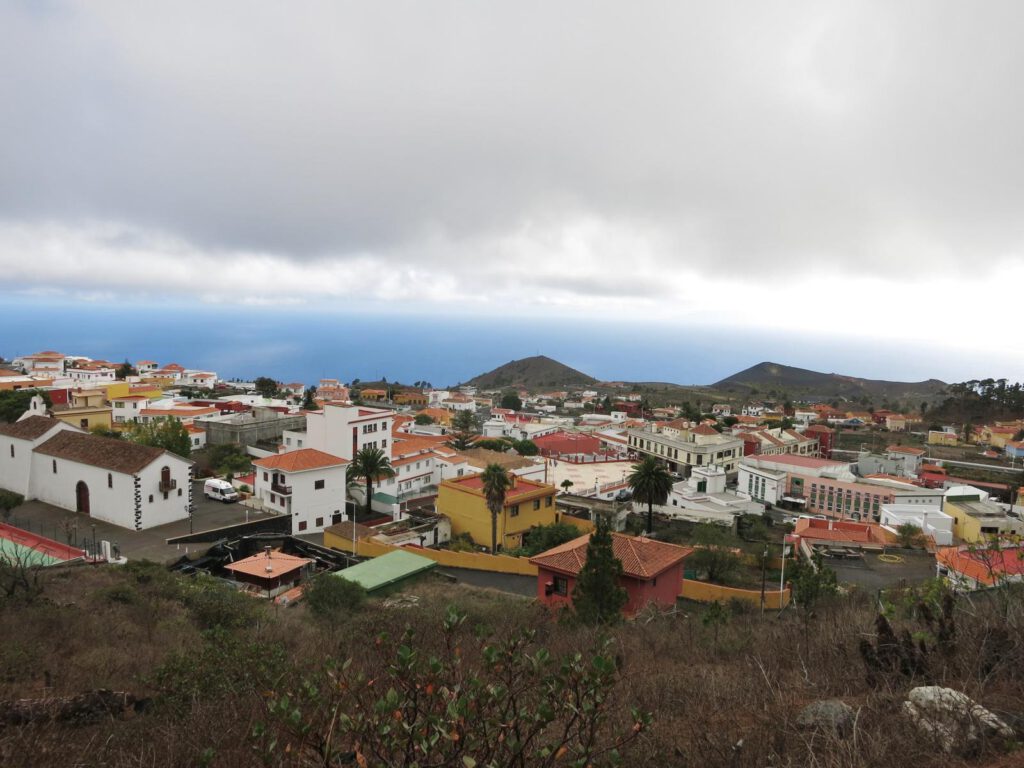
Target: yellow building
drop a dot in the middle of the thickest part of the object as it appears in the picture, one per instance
(86, 409)
(936, 437)
(527, 503)
(410, 397)
(977, 520)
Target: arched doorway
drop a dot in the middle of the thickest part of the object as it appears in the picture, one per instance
(82, 498)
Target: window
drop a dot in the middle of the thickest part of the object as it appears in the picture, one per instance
(536, 503)
(55, 466)
(151, 498)
(302, 525)
(547, 502)
(319, 522)
(179, 491)
(561, 586)
(318, 485)
(265, 477)
(513, 511)
(383, 443)
(110, 480)
(12, 450)
(300, 443)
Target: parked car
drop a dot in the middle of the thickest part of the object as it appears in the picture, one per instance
(221, 490)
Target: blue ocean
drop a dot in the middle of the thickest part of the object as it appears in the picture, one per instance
(304, 345)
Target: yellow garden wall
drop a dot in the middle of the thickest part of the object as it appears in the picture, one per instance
(476, 561)
(702, 592)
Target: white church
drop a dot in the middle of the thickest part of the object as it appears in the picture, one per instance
(120, 482)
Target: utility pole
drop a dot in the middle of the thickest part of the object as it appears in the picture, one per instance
(764, 573)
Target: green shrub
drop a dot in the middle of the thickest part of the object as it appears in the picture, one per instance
(331, 597)
(214, 605)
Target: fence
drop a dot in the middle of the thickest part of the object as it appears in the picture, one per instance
(702, 592)
(475, 561)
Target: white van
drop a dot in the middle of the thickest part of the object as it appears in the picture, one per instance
(221, 490)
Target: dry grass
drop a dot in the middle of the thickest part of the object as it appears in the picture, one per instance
(730, 703)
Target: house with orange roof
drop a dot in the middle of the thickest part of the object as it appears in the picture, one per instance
(307, 484)
(970, 568)
(652, 571)
(92, 374)
(271, 572)
(47, 363)
(186, 414)
(11, 381)
(144, 366)
(331, 390)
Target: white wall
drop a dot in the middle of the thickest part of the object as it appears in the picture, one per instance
(16, 471)
(113, 500)
(306, 503)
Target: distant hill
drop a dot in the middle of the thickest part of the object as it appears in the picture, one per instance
(767, 376)
(532, 373)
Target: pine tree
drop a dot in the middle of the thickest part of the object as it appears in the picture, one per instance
(598, 597)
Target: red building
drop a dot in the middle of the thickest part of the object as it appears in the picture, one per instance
(652, 571)
(568, 444)
(826, 437)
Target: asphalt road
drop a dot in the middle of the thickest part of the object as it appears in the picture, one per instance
(78, 529)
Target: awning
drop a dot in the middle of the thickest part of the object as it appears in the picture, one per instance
(794, 500)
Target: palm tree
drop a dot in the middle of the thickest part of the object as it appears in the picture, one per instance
(651, 484)
(496, 484)
(370, 464)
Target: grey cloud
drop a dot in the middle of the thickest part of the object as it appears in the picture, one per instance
(745, 137)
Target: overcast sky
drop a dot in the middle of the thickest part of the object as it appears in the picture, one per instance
(839, 168)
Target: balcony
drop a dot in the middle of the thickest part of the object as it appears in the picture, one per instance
(281, 488)
(166, 486)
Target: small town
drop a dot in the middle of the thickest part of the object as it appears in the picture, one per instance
(511, 385)
(328, 498)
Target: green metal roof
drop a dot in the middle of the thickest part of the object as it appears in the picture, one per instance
(387, 569)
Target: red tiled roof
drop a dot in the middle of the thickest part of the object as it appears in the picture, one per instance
(279, 563)
(910, 451)
(704, 429)
(301, 460)
(641, 558)
(29, 429)
(984, 565)
(105, 452)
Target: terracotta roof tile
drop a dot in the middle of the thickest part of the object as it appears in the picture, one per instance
(279, 563)
(105, 452)
(641, 558)
(31, 428)
(301, 460)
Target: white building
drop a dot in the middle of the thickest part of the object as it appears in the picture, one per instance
(200, 379)
(703, 496)
(47, 364)
(92, 375)
(117, 481)
(700, 446)
(307, 484)
(931, 520)
(343, 430)
(128, 409)
(762, 484)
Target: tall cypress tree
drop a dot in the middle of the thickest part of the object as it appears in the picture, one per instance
(598, 597)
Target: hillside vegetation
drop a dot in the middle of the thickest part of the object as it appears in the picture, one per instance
(793, 382)
(532, 373)
(465, 677)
